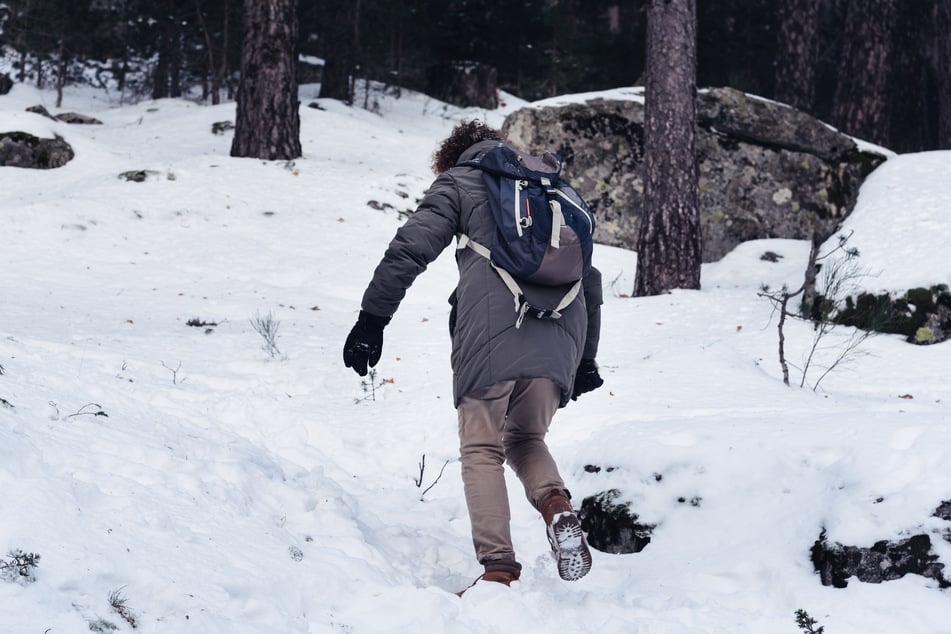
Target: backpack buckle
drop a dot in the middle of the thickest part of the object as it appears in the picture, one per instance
(522, 307)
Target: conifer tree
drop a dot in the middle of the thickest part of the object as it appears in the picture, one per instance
(669, 242)
(267, 125)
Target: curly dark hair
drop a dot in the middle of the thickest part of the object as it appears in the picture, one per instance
(463, 136)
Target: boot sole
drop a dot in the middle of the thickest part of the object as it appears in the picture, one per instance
(569, 547)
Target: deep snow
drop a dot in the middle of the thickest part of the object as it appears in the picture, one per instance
(223, 490)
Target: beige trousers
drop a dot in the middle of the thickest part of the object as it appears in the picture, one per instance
(505, 422)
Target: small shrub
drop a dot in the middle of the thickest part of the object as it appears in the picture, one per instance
(102, 626)
(220, 127)
(137, 176)
(174, 371)
(209, 326)
(422, 470)
(826, 310)
(370, 384)
(267, 327)
(808, 624)
(195, 322)
(20, 567)
(118, 603)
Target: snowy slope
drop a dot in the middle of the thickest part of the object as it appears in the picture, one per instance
(220, 489)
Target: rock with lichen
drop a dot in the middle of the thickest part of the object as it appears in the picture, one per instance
(765, 170)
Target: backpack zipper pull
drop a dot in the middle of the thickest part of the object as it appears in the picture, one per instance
(520, 221)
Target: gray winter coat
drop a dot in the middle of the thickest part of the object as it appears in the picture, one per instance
(486, 346)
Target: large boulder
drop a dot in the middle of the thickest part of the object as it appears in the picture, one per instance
(883, 561)
(19, 149)
(6, 84)
(766, 170)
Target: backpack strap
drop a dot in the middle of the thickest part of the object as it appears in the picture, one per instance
(522, 307)
(557, 218)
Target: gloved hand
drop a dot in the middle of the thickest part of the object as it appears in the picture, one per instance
(364, 343)
(587, 378)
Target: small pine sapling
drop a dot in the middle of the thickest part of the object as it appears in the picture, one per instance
(808, 624)
(370, 385)
(20, 567)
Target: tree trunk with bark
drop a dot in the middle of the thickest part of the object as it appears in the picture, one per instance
(168, 68)
(61, 62)
(912, 106)
(267, 124)
(798, 53)
(669, 242)
(340, 51)
(217, 56)
(860, 106)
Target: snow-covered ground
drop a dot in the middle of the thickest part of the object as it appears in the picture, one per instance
(218, 489)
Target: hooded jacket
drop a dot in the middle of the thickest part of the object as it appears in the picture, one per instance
(487, 348)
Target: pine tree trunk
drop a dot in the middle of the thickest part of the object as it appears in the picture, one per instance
(21, 39)
(339, 53)
(222, 74)
(942, 66)
(798, 53)
(912, 106)
(860, 106)
(61, 62)
(168, 42)
(209, 87)
(267, 125)
(669, 242)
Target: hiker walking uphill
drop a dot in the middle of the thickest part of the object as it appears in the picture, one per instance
(524, 323)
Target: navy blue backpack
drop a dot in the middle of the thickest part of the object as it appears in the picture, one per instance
(543, 227)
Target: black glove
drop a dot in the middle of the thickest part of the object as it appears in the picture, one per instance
(364, 343)
(586, 379)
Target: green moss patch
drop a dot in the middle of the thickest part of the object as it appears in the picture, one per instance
(921, 315)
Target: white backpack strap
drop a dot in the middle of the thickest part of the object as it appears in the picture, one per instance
(507, 279)
(568, 298)
(557, 222)
(513, 287)
(521, 306)
(557, 218)
(465, 241)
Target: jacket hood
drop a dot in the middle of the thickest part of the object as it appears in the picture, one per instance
(547, 163)
(479, 149)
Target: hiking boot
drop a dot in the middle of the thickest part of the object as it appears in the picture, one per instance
(499, 576)
(565, 536)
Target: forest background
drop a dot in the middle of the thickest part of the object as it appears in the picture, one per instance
(877, 69)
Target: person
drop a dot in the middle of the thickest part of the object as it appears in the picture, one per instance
(508, 381)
